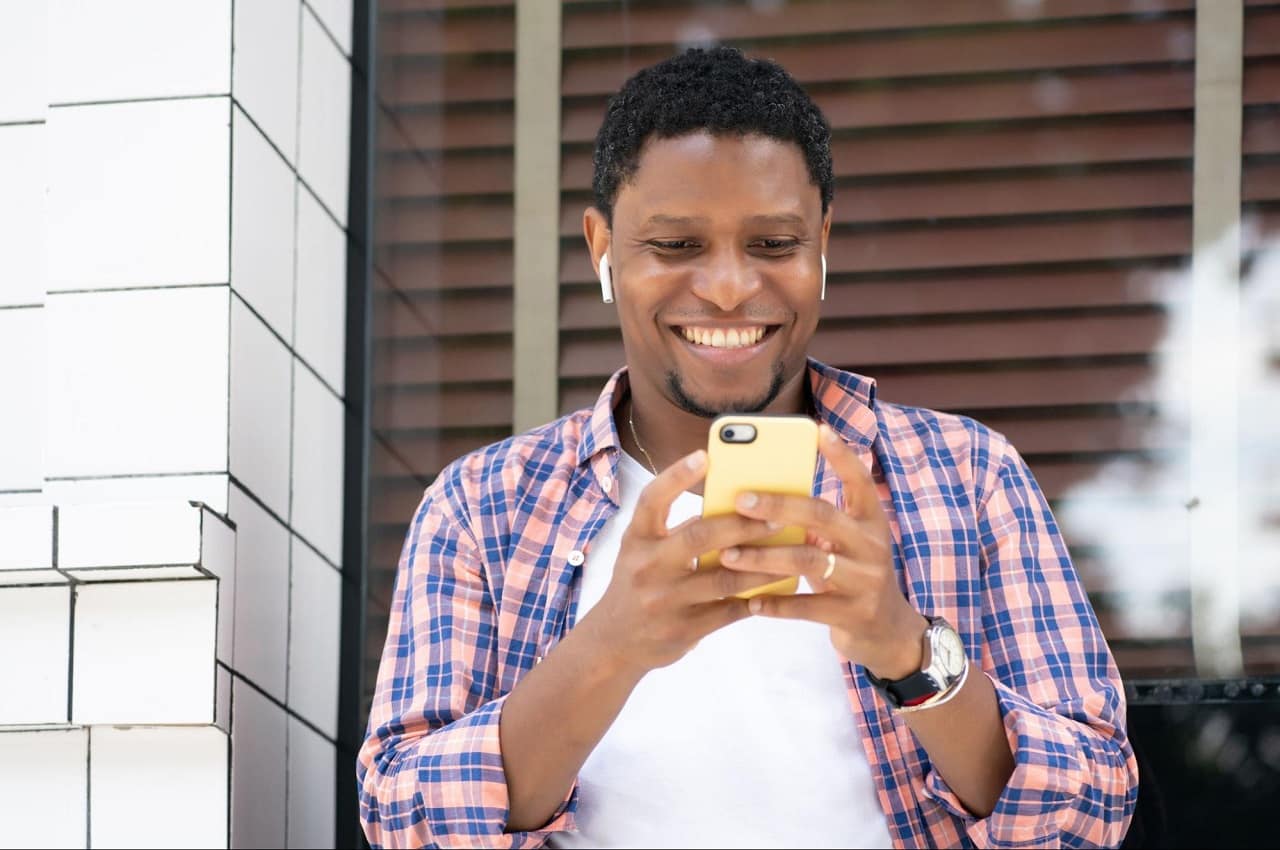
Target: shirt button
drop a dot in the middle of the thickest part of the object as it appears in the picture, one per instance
(576, 558)
(606, 483)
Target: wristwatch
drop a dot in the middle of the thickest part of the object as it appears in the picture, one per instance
(940, 676)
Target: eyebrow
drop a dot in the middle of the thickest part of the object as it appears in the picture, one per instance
(663, 220)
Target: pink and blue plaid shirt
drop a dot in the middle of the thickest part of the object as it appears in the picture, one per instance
(486, 587)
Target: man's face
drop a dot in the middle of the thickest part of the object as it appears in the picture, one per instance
(715, 251)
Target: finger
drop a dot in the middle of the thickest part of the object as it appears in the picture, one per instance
(861, 499)
(712, 616)
(821, 518)
(656, 498)
(812, 607)
(720, 583)
(701, 535)
(808, 561)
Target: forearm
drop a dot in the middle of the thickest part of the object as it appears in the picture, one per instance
(966, 741)
(553, 719)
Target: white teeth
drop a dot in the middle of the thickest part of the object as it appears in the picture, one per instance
(721, 338)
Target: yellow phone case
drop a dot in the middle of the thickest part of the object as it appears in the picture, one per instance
(780, 459)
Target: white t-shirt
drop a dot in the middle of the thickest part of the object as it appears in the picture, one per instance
(746, 741)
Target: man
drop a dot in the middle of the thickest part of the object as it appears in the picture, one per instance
(555, 671)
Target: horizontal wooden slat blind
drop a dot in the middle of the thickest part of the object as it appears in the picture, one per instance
(1013, 209)
(443, 263)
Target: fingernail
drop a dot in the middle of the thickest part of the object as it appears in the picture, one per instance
(748, 500)
(728, 556)
(754, 604)
(695, 460)
(828, 433)
(773, 525)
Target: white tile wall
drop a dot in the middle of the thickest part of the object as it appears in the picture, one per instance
(260, 403)
(211, 489)
(320, 337)
(144, 652)
(258, 803)
(264, 74)
(312, 762)
(23, 396)
(26, 537)
(318, 422)
(44, 787)
(138, 194)
(336, 17)
(24, 55)
(222, 703)
(34, 633)
(324, 120)
(133, 49)
(219, 557)
(261, 596)
(24, 174)
(128, 534)
(315, 617)
(157, 787)
(138, 382)
(262, 226)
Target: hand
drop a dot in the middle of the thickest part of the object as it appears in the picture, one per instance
(657, 607)
(871, 622)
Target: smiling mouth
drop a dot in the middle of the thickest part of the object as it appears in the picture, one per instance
(729, 338)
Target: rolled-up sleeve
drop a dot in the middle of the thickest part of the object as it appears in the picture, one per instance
(430, 770)
(1075, 777)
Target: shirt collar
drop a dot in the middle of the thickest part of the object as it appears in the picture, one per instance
(844, 400)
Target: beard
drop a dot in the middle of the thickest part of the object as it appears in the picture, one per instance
(710, 410)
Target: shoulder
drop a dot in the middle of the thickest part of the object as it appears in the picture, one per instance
(492, 473)
(912, 436)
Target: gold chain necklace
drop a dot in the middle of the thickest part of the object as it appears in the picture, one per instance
(632, 422)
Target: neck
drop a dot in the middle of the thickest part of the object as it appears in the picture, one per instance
(667, 432)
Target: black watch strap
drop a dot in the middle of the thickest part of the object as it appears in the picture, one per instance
(908, 690)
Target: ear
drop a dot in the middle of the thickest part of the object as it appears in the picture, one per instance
(826, 232)
(596, 230)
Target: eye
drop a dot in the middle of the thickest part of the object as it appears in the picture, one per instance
(673, 244)
(775, 246)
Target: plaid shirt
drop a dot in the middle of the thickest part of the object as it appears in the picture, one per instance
(486, 586)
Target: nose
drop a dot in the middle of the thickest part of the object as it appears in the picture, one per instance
(727, 280)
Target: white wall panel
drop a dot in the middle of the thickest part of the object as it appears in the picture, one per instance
(260, 404)
(157, 787)
(24, 176)
(35, 624)
(312, 762)
(210, 488)
(134, 49)
(315, 617)
(261, 595)
(262, 226)
(337, 18)
(258, 733)
(318, 422)
(324, 120)
(321, 327)
(264, 73)
(138, 382)
(24, 55)
(128, 534)
(44, 788)
(23, 394)
(144, 652)
(138, 194)
(26, 537)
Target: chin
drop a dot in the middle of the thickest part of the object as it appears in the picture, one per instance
(737, 399)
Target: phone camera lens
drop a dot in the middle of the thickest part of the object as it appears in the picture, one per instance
(728, 433)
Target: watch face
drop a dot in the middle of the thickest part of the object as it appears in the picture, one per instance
(950, 651)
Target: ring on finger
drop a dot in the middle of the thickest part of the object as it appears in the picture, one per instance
(831, 566)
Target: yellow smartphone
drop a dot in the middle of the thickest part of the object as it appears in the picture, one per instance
(764, 454)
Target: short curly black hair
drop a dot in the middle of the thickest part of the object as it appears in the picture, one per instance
(716, 90)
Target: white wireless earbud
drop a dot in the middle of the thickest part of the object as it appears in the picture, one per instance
(822, 296)
(606, 280)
